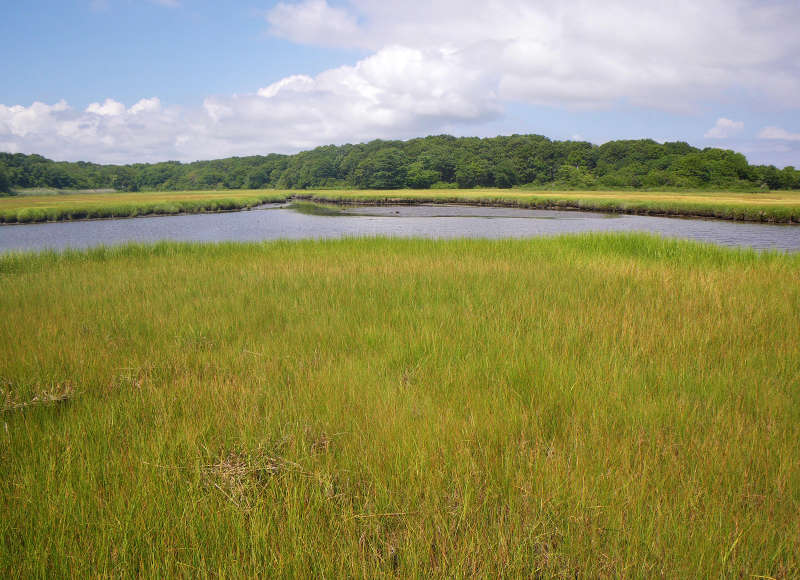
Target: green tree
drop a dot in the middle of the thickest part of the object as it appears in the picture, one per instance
(472, 173)
(125, 179)
(5, 182)
(417, 177)
(789, 178)
(504, 175)
(573, 177)
(383, 169)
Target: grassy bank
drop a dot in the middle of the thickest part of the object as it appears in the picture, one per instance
(44, 208)
(590, 406)
(776, 207)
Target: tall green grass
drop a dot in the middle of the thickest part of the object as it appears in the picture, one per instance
(592, 406)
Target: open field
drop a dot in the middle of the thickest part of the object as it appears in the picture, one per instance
(595, 405)
(49, 207)
(780, 207)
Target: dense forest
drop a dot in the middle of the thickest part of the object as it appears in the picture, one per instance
(431, 162)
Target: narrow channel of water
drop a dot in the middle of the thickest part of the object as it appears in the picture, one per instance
(434, 221)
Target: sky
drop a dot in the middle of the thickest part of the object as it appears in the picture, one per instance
(124, 81)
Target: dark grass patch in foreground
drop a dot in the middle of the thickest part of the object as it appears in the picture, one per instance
(594, 405)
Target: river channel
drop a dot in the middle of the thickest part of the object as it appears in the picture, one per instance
(431, 221)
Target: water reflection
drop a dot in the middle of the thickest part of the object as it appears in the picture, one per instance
(435, 221)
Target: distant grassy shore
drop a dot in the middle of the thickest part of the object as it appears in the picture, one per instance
(776, 207)
(584, 406)
(75, 206)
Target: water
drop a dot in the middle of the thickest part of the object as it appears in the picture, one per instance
(435, 221)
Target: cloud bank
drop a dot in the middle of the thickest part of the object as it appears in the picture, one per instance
(446, 66)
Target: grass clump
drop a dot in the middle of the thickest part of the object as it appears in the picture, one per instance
(593, 405)
(311, 208)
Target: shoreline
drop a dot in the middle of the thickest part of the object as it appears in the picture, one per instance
(678, 209)
(558, 205)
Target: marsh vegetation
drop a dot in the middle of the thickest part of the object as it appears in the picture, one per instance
(773, 207)
(595, 405)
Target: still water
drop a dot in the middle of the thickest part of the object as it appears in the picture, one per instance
(433, 221)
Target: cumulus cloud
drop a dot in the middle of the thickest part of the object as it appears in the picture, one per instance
(314, 22)
(110, 108)
(392, 87)
(398, 92)
(723, 129)
(21, 121)
(106, 132)
(151, 105)
(778, 134)
(579, 52)
(445, 66)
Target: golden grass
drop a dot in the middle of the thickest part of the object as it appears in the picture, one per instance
(591, 406)
(781, 206)
(790, 198)
(101, 199)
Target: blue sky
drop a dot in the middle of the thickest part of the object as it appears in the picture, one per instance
(149, 80)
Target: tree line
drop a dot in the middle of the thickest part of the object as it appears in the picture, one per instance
(439, 161)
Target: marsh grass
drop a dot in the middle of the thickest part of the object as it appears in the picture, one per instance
(776, 207)
(312, 208)
(591, 406)
(44, 208)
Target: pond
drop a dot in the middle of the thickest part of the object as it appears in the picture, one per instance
(434, 221)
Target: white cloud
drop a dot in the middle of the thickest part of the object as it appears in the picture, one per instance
(314, 22)
(580, 52)
(21, 121)
(105, 132)
(110, 108)
(723, 129)
(444, 66)
(151, 105)
(216, 110)
(778, 134)
(296, 83)
(398, 92)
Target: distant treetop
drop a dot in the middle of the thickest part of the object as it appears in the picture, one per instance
(429, 162)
